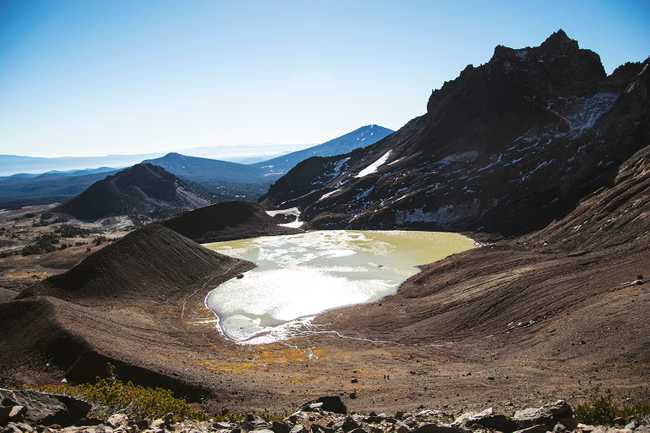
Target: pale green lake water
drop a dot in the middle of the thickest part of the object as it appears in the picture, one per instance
(299, 276)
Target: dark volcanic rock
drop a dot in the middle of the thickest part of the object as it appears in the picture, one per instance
(328, 404)
(548, 415)
(153, 260)
(226, 221)
(506, 147)
(143, 189)
(46, 409)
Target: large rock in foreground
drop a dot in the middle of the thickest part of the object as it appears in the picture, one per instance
(40, 408)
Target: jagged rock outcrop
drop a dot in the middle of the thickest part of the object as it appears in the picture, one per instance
(141, 190)
(506, 147)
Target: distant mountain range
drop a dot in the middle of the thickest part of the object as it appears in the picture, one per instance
(209, 172)
(25, 189)
(223, 179)
(362, 137)
(12, 164)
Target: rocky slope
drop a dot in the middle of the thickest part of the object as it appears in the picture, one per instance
(27, 410)
(118, 306)
(226, 221)
(506, 147)
(143, 189)
(152, 260)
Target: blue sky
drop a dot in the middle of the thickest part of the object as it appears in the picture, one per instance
(90, 77)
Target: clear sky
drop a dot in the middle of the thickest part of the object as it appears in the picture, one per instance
(90, 77)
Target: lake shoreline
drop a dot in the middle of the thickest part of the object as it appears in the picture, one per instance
(353, 266)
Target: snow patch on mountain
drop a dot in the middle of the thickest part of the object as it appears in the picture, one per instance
(293, 211)
(372, 168)
(327, 194)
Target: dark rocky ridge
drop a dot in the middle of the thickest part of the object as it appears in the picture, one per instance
(506, 147)
(227, 221)
(152, 261)
(141, 190)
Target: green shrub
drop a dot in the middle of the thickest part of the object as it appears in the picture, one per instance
(602, 409)
(43, 245)
(135, 400)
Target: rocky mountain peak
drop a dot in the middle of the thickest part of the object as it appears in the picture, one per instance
(143, 189)
(515, 77)
(504, 147)
(559, 41)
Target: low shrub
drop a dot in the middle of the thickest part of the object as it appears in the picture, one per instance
(100, 240)
(70, 231)
(135, 400)
(45, 244)
(602, 409)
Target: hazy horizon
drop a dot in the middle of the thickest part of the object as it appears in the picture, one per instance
(85, 78)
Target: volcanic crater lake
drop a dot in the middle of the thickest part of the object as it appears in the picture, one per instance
(299, 276)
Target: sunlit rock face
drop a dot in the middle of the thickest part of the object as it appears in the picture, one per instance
(300, 276)
(506, 147)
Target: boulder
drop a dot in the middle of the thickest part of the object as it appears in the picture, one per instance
(400, 427)
(118, 420)
(254, 422)
(540, 428)
(486, 419)
(327, 403)
(4, 414)
(16, 428)
(298, 428)
(17, 412)
(438, 428)
(280, 427)
(45, 409)
(350, 424)
(548, 415)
